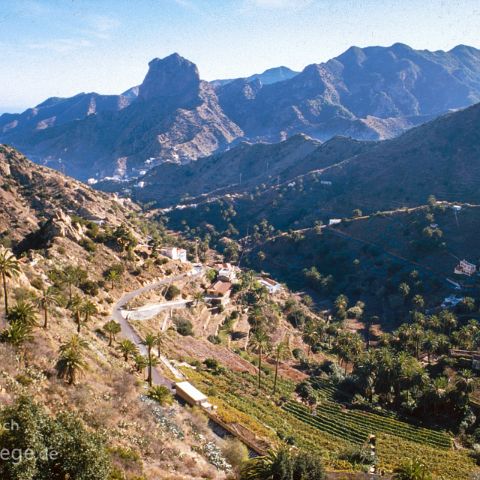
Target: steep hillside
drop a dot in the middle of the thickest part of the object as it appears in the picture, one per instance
(440, 158)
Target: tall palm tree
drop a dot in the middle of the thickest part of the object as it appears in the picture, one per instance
(128, 349)
(9, 267)
(150, 341)
(260, 343)
(160, 342)
(72, 277)
(75, 307)
(112, 328)
(281, 352)
(50, 298)
(71, 363)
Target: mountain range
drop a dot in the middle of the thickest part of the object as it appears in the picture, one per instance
(294, 183)
(366, 93)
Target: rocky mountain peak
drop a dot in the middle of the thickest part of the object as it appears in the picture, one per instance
(172, 76)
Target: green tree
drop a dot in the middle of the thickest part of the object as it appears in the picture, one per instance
(128, 349)
(71, 363)
(260, 343)
(9, 267)
(49, 299)
(160, 394)
(23, 312)
(17, 334)
(58, 447)
(281, 352)
(72, 276)
(112, 328)
(150, 342)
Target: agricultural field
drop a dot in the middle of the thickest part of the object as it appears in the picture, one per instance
(333, 430)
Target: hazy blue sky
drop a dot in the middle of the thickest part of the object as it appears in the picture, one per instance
(62, 47)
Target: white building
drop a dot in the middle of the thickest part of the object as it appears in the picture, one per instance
(334, 221)
(175, 253)
(272, 286)
(192, 395)
(226, 272)
(465, 268)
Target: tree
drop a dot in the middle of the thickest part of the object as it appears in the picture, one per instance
(23, 312)
(53, 448)
(160, 339)
(9, 267)
(140, 362)
(260, 343)
(113, 276)
(17, 334)
(348, 347)
(341, 305)
(412, 469)
(404, 289)
(72, 277)
(112, 328)
(160, 394)
(128, 349)
(71, 363)
(49, 299)
(284, 465)
(149, 341)
(418, 302)
(281, 352)
(198, 297)
(88, 308)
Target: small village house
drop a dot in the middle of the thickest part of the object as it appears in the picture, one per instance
(226, 272)
(175, 253)
(465, 268)
(272, 286)
(219, 292)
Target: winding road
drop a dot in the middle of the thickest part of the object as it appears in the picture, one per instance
(128, 332)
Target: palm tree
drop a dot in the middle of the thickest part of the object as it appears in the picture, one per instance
(198, 297)
(17, 334)
(260, 343)
(281, 352)
(71, 363)
(430, 344)
(113, 276)
(127, 349)
(88, 308)
(150, 341)
(310, 336)
(23, 312)
(49, 299)
(75, 307)
(112, 328)
(9, 267)
(72, 277)
(160, 342)
(140, 362)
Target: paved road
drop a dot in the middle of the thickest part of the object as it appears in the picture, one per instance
(149, 311)
(129, 333)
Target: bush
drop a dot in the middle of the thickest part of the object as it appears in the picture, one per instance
(172, 292)
(160, 394)
(184, 327)
(211, 363)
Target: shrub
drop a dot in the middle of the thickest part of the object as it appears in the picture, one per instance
(184, 327)
(160, 394)
(172, 292)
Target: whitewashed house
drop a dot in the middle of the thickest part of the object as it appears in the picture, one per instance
(175, 253)
(465, 268)
(226, 272)
(272, 286)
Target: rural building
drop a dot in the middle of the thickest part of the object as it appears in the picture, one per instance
(334, 221)
(272, 286)
(219, 292)
(451, 301)
(193, 396)
(175, 253)
(226, 272)
(465, 268)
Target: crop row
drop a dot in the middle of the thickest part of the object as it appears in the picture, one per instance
(368, 423)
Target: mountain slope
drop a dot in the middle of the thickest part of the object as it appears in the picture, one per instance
(441, 158)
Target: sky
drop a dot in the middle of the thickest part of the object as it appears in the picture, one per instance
(63, 47)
